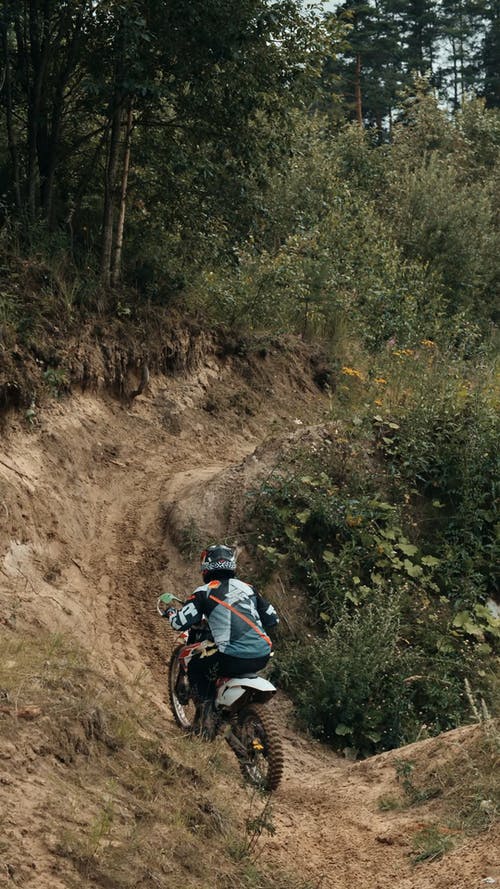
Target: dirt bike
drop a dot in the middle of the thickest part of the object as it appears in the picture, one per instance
(239, 711)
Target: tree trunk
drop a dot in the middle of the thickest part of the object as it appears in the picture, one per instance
(462, 64)
(110, 191)
(118, 244)
(39, 58)
(455, 76)
(56, 124)
(11, 133)
(357, 91)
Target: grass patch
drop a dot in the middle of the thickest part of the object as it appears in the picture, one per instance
(413, 793)
(460, 773)
(390, 803)
(463, 774)
(126, 799)
(431, 843)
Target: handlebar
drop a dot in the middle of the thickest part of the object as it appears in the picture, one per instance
(166, 599)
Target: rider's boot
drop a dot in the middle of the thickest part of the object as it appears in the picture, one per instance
(205, 724)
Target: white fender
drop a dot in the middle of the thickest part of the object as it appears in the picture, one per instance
(234, 688)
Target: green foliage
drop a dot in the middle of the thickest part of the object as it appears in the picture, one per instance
(445, 450)
(343, 544)
(431, 843)
(335, 255)
(343, 683)
(240, 204)
(403, 500)
(56, 380)
(396, 239)
(207, 90)
(444, 214)
(365, 687)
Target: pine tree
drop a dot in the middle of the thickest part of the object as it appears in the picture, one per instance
(491, 56)
(418, 26)
(462, 28)
(370, 67)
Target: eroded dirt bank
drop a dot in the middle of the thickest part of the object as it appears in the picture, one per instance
(96, 498)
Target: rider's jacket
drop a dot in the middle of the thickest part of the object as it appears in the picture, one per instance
(237, 615)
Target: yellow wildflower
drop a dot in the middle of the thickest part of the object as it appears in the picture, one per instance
(380, 380)
(429, 344)
(352, 372)
(354, 521)
(402, 352)
(378, 402)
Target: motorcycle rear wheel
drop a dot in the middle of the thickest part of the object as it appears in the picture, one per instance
(183, 713)
(257, 731)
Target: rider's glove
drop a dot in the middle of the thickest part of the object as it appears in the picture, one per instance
(169, 612)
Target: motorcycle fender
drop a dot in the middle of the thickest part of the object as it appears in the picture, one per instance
(233, 689)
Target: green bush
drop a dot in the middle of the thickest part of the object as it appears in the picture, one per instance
(364, 687)
(441, 199)
(337, 538)
(406, 500)
(445, 450)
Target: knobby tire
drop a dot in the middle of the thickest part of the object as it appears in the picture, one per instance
(179, 711)
(266, 775)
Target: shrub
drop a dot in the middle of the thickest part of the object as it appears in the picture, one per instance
(444, 449)
(365, 686)
(340, 683)
(337, 538)
(403, 500)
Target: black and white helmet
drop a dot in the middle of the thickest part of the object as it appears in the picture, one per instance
(218, 558)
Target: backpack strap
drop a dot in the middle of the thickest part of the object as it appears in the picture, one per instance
(242, 617)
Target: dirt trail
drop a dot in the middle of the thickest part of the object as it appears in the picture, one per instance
(88, 497)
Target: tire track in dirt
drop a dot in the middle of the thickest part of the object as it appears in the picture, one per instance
(118, 556)
(326, 815)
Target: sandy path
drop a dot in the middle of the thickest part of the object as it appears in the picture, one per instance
(85, 508)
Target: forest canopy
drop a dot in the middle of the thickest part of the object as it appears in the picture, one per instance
(156, 141)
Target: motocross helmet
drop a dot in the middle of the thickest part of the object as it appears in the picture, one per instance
(218, 558)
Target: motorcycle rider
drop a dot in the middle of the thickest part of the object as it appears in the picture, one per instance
(237, 617)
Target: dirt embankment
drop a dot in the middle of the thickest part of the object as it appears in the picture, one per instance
(99, 499)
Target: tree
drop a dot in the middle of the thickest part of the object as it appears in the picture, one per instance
(491, 55)
(206, 85)
(417, 22)
(462, 28)
(368, 65)
(43, 43)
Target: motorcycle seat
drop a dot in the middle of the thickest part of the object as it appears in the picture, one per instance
(223, 679)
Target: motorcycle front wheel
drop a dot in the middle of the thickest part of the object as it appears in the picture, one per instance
(182, 705)
(263, 764)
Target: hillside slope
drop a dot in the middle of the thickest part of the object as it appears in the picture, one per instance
(96, 498)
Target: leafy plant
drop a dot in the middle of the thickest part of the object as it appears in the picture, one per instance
(431, 842)
(56, 380)
(349, 686)
(342, 544)
(354, 541)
